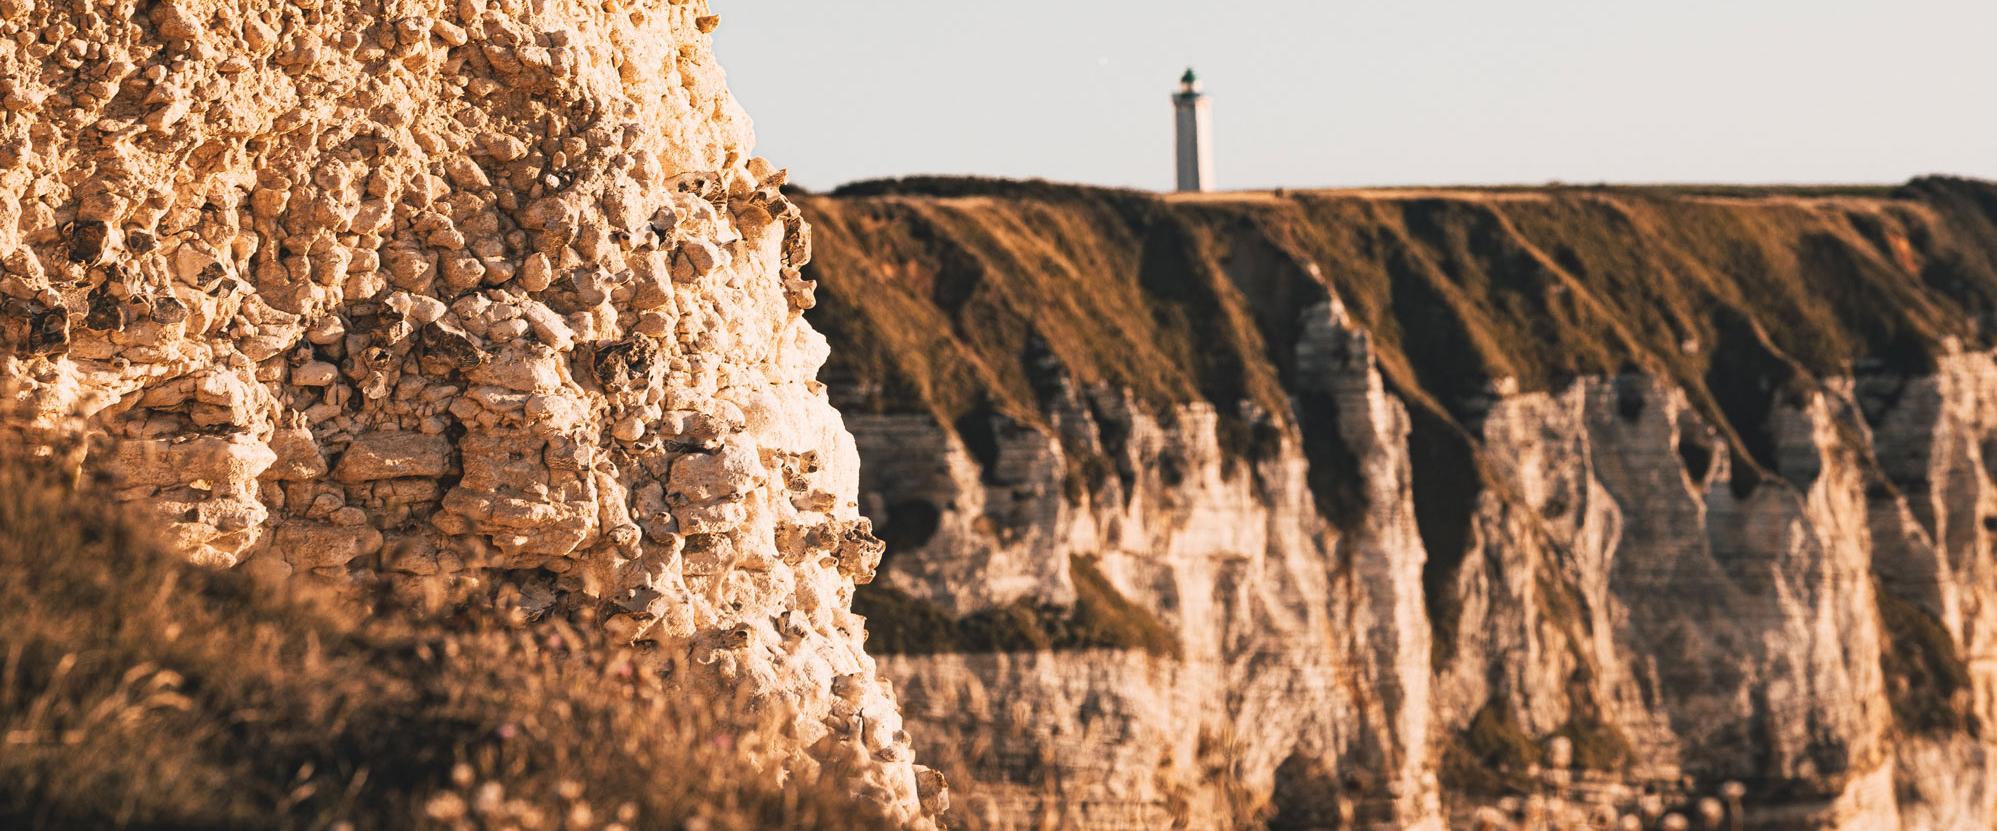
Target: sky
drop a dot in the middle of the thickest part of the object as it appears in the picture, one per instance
(1333, 93)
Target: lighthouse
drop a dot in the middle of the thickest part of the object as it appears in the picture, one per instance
(1189, 107)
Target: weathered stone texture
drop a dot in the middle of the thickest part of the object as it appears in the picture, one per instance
(439, 288)
(1718, 636)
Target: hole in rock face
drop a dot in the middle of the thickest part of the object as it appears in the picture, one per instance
(910, 524)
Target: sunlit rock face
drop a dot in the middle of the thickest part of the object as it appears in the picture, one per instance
(441, 291)
(1543, 508)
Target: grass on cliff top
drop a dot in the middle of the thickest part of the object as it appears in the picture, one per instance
(943, 294)
(1709, 191)
(960, 307)
(955, 296)
(963, 186)
(139, 691)
(1102, 618)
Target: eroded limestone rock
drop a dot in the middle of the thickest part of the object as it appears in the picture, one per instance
(444, 289)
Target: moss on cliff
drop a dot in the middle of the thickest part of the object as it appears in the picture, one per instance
(1102, 618)
(1597, 745)
(1927, 680)
(1490, 755)
(1494, 755)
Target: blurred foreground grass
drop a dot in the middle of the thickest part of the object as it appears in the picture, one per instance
(139, 691)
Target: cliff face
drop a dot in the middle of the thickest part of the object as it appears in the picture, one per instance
(448, 292)
(1381, 507)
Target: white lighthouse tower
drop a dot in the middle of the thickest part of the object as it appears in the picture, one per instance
(1195, 135)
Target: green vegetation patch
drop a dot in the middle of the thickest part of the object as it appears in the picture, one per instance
(1490, 755)
(1927, 680)
(1102, 618)
(1597, 745)
(1494, 755)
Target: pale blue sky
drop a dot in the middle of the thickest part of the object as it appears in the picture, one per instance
(1342, 92)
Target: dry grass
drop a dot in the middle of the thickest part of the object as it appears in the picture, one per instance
(954, 306)
(952, 296)
(137, 691)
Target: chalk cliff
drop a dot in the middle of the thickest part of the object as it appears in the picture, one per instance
(448, 291)
(1397, 509)
(1403, 508)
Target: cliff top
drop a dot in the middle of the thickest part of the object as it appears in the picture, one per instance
(987, 295)
(982, 186)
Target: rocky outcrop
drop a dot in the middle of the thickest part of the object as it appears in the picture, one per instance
(1543, 507)
(449, 292)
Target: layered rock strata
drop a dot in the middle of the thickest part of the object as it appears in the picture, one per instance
(1543, 507)
(449, 291)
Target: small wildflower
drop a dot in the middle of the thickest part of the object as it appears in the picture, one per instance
(445, 807)
(488, 798)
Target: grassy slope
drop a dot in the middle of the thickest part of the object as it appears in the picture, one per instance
(935, 298)
(139, 691)
(950, 297)
(938, 294)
